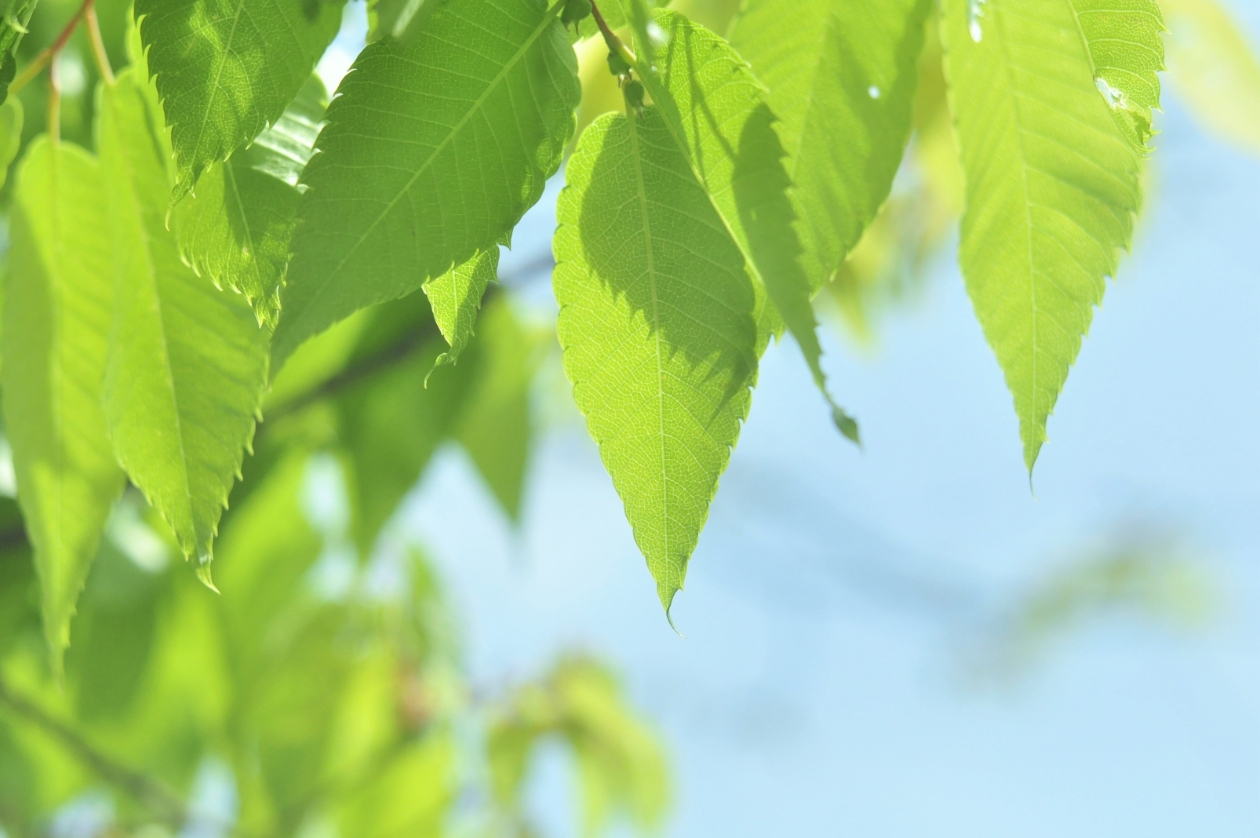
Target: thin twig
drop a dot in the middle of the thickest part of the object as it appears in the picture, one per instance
(615, 44)
(98, 44)
(48, 55)
(157, 797)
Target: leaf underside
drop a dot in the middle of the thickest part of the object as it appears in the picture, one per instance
(1051, 101)
(455, 298)
(236, 229)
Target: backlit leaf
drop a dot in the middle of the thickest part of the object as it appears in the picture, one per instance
(225, 69)
(10, 135)
(412, 178)
(12, 28)
(715, 113)
(187, 361)
(236, 228)
(58, 299)
(841, 78)
(1051, 100)
(657, 326)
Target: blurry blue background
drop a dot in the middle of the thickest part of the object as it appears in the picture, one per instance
(842, 605)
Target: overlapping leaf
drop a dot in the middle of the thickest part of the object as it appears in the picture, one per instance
(10, 136)
(58, 300)
(225, 69)
(657, 326)
(841, 78)
(187, 361)
(236, 229)
(432, 153)
(1051, 101)
(714, 111)
(12, 28)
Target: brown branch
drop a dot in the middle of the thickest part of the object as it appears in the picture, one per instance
(144, 789)
(50, 54)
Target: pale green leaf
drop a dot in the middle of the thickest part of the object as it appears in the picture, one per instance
(455, 297)
(10, 135)
(398, 19)
(58, 299)
(1214, 69)
(226, 69)
(657, 326)
(236, 228)
(495, 426)
(413, 178)
(12, 28)
(715, 114)
(1050, 99)
(187, 362)
(841, 78)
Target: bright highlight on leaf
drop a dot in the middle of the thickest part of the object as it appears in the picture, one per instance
(656, 323)
(187, 361)
(225, 69)
(237, 227)
(1051, 101)
(841, 78)
(58, 300)
(433, 151)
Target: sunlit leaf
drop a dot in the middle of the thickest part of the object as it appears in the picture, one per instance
(455, 298)
(657, 326)
(10, 135)
(187, 362)
(1052, 101)
(225, 69)
(58, 300)
(412, 179)
(12, 28)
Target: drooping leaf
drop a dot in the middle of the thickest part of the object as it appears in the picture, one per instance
(398, 19)
(412, 179)
(1215, 69)
(657, 326)
(455, 298)
(58, 299)
(12, 28)
(226, 69)
(10, 135)
(236, 228)
(495, 425)
(715, 113)
(187, 361)
(841, 78)
(1051, 101)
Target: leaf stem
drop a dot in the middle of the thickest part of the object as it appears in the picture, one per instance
(161, 800)
(615, 45)
(46, 57)
(98, 43)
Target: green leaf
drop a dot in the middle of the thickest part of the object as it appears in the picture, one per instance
(226, 69)
(455, 297)
(657, 326)
(1214, 69)
(236, 228)
(58, 299)
(12, 28)
(715, 114)
(413, 179)
(841, 78)
(187, 362)
(1050, 99)
(495, 426)
(10, 135)
(401, 20)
